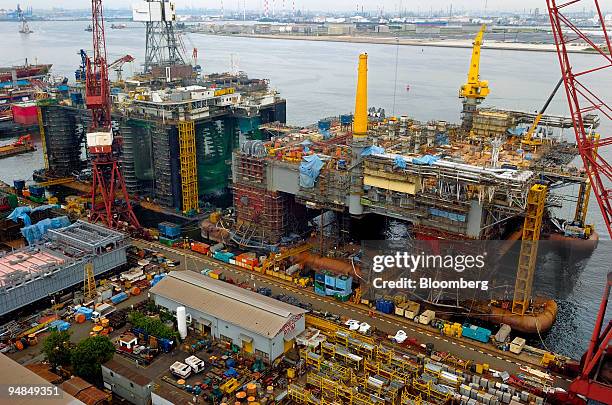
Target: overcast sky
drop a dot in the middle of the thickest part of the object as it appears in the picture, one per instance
(327, 5)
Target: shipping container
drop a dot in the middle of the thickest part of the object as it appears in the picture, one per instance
(200, 247)
(517, 345)
(223, 256)
(426, 317)
(122, 296)
(476, 333)
(169, 229)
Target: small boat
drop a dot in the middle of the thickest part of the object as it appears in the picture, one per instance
(89, 29)
(25, 28)
(118, 26)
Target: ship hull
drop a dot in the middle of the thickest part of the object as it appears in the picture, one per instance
(23, 72)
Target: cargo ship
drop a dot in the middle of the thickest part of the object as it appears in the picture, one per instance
(22, 145)
(25, 71)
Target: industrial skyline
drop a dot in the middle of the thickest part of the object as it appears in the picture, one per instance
(322, 5)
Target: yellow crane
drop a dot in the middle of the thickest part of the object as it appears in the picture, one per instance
(274, 258)
(474, 91)
(528, 139)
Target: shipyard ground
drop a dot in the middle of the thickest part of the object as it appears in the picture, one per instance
(78, 332)
(468, 350)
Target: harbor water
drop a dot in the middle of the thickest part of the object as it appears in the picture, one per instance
(318, 80)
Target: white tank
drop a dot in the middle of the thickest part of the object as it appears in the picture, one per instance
(181, 320)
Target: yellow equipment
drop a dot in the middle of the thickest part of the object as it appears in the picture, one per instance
(55, 182)
(189, 178)
(532, 227)
(89, 282)
(528, 138)
(582, 205)
(271, 261)
(360, 124)
(475, 88)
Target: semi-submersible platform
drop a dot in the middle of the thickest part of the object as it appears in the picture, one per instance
(489, 177)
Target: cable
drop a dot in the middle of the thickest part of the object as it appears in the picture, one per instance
(396, 65)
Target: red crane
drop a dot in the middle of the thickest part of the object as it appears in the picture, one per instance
(593, 381)
(583, 99)
(110, 202)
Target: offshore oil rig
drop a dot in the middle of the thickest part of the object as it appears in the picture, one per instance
(186, 140)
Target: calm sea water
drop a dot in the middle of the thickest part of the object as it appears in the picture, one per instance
(318, 80)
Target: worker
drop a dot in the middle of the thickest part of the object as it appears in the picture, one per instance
(371, 313)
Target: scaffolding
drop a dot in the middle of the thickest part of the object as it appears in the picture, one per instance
(162, 168)
(532, 227)
(189, 179)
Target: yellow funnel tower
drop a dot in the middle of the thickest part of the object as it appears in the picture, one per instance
(360, 125)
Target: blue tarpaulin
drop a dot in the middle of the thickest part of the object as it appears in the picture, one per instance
(425, 160)
(309, 170)
(22, 213)
(518, 131)
(34, 233)
(370, 150)
(399, 162)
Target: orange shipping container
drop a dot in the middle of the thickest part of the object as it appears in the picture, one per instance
(200, 247)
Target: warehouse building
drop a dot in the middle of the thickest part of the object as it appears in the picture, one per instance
(258, 324)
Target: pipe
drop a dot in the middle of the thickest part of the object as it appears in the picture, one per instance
(360, 124)
(336, 266)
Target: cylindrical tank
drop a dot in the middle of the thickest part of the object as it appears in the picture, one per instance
(355, 207)
(181, 320)
(336, 266)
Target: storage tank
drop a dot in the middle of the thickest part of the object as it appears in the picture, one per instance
(181, 321)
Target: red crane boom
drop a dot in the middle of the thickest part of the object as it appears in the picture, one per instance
(591, 383)
(583, 99)
(97, 89)
(110, 202)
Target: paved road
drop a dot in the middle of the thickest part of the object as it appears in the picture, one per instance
(388, 324)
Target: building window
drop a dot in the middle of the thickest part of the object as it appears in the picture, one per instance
(112, 374)
(132, 385)
(261, 354)
(225, 338)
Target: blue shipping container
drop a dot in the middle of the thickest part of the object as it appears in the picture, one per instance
(223, 256)
(476, 332)
(85, 311)
(169, 229)
(122, 296)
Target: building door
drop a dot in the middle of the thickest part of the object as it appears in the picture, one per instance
(247, 346)
(288, 345)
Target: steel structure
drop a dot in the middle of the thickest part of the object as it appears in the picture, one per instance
(97, 89)
(583, 99)
(108, 182)
(162, 44)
